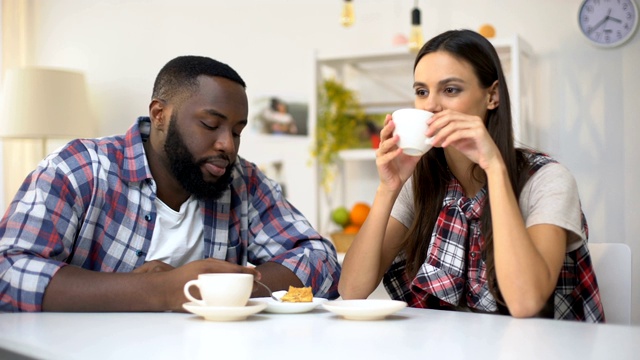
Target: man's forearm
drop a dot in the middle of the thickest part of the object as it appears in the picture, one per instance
(277, 277)
(76, 289)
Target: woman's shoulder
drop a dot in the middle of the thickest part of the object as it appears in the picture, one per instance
(535, 159)
(548, 179)
(542, 167)
(550, 196)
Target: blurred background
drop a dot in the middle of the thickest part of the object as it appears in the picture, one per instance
(585, 98)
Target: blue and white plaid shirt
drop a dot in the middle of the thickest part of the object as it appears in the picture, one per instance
(91, 204)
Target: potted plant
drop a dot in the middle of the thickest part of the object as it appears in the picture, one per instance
(339, 116)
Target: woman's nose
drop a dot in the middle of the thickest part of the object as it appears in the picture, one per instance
(429, 103)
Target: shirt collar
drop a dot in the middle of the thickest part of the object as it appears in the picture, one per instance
(135, 167)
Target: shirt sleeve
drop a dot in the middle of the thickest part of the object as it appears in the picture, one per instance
(32, 234)
(551, 197)
(403, 210)
(280, 233)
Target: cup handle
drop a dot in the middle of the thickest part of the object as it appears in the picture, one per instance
(187, 286)
(429, 143)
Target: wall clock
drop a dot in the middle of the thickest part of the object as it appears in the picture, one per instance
(608, 23)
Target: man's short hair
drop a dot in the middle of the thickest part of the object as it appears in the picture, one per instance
(180, 75)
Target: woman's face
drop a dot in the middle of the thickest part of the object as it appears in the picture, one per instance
(442, 81)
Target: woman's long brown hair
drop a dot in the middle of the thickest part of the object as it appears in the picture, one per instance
(431, 175)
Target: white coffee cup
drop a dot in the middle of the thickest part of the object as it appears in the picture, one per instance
(411, 126)
(221, 289)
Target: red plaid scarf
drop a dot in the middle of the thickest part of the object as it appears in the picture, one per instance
(454, 264)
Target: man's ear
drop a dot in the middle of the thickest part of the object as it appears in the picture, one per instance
(157, 109)
(494, 96)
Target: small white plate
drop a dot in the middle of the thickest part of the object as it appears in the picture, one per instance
(288, 307)
(225, 313)
(373, 309)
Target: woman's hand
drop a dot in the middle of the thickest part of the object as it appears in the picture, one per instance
(394, 166)
(465, 133)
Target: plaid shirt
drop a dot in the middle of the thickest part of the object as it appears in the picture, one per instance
(454, 264)
(91, 204)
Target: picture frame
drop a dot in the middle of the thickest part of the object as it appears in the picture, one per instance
(279, 115)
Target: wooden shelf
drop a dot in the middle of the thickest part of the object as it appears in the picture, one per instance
(357, 154)
(503, 45)
(365, 57)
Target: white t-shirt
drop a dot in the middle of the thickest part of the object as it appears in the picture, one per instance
(177, 236)
(550, 196)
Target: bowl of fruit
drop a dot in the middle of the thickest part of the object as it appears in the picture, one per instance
(349, 222)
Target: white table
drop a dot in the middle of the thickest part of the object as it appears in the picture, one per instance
(408, 334)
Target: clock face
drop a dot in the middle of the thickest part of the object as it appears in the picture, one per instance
(608, 23)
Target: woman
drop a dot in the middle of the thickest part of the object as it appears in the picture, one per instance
(278, 119)
(474, 224)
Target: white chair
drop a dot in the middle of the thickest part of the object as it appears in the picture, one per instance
(612, 264)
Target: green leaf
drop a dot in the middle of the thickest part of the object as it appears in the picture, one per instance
(339, 115)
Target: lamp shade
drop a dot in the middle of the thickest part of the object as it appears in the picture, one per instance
(45, 104)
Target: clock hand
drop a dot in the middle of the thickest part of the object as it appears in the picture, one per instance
(599, 24)
(614, 19)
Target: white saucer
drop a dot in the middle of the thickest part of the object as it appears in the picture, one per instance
(364, 309)
(288, 307)
(225, 313)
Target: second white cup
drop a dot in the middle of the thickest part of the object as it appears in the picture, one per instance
(411, 126)
(221, 289)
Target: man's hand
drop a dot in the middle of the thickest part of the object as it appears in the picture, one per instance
(172, 280)
(153, 266)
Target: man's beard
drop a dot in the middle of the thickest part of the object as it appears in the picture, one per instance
(187, 171)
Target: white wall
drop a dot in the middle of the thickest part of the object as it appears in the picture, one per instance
(587, 98)
(2, 199)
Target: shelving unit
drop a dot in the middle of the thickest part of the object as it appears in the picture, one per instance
(383, 81)
(357, 155)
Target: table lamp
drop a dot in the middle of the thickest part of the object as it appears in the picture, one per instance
(38, 105)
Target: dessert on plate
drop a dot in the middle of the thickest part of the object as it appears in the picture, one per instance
(296, 295)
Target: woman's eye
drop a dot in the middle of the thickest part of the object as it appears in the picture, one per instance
(421, 92)
(451, 90)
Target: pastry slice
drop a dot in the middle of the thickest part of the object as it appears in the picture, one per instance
(295, 294)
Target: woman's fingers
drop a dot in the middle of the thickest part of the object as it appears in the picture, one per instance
(450, 127)
(388, 141)
(461, 139)
(387, 129)
(459, 133)
(385, 158)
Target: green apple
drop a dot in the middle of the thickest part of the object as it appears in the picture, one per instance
(340, 216)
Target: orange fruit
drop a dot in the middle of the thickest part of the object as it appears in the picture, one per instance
(487, 30)
(359, 213)
(351, 229)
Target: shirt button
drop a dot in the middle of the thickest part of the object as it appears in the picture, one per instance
(473, 254)
(139, 253)
(147, 217)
